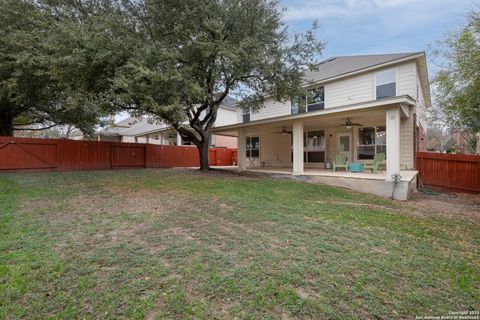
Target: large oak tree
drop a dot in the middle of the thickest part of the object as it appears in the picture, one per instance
(189, 55)
(54, 61)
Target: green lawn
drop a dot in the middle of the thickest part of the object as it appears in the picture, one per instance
(179, 244)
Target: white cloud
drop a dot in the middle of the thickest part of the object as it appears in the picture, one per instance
(308, 10)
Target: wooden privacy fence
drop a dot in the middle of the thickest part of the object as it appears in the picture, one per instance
(450, 171)
(26, 154)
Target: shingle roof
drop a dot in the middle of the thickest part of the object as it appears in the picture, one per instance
(144, 125)
(337, 66)
(134, 126)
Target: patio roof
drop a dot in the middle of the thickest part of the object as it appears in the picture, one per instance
(403, 101)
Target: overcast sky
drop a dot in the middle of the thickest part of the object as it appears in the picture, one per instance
(377, 26)
(352, 27)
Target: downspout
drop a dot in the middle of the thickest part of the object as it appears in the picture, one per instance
(396, 178)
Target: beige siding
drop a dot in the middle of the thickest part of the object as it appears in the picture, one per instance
(275, 149)
(406, 143)
(407, 80)
(226, 116)
(348, 91)
(420, 107)
(239, 115)
(272, 109)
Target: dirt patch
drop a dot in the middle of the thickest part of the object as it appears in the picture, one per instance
(443, 204)
(178, 232)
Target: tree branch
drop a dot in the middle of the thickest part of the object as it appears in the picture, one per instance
(36, 129)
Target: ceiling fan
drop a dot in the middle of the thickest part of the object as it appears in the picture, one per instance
(284, 131)
(349, 124)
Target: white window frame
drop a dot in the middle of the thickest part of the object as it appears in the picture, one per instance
(250, 149)
(368, 145)
(374, 89)
(305, 98)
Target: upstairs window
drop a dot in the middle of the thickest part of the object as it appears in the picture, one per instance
(246, 114)
(316, 99)
(313, 100)
(386, 85)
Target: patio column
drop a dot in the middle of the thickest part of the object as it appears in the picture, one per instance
(242, 150)
(392, 123)
(179, 139)
(297, 139)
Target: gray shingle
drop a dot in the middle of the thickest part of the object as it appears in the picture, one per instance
(337, 66)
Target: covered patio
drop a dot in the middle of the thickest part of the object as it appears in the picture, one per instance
(307, 145)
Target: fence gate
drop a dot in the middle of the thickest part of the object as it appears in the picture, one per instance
(128, 156)
(15, 155)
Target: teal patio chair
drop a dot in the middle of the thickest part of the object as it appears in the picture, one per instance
(377, 161)
(340, 162)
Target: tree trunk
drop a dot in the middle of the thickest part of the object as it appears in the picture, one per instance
(6, 123)
(204, 156)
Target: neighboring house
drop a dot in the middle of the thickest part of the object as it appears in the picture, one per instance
(357, 106)
(143, 130)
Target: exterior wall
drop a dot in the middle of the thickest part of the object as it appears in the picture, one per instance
(271, 109)
(421, 105)
(275, 150)
(155, 138)
(226, 116)
(351, 90)
(407, 127)
(224, 141)
(128, 139)
(403, 190)
(356, 89)
(407, 79)
(422, 145)
(239, 115)
(109, 138)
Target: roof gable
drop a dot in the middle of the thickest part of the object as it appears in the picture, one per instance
(338, 66)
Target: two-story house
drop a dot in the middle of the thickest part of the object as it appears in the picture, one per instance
(357, 106)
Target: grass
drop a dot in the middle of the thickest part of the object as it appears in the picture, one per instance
(174, 244)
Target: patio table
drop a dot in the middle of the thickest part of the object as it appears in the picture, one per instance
(355, 167)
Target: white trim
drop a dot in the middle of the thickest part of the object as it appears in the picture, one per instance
(392, 123)
(350, 157)
(242, 150)
(407, 100)
(405, 110)
(250, 149)
(297, 138)
(357, 133)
